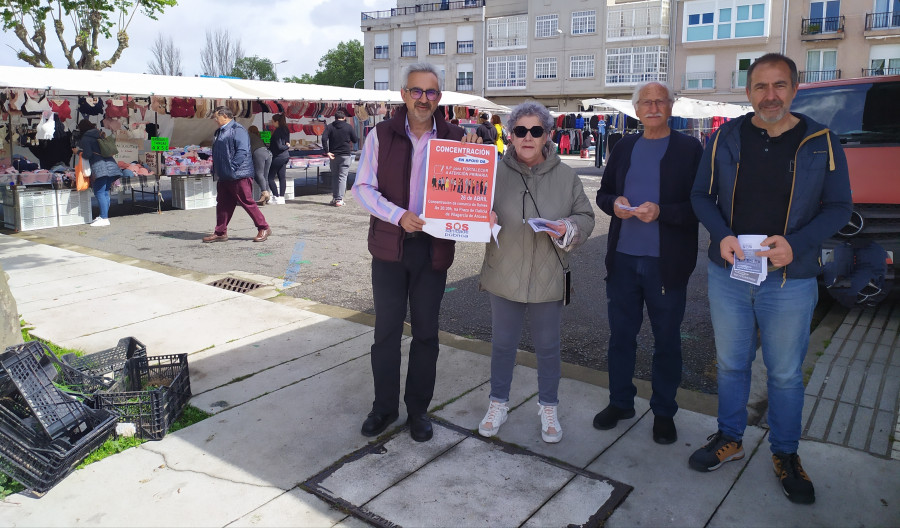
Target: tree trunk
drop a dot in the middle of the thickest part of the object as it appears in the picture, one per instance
(10, 331)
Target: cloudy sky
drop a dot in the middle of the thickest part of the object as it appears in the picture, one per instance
(300, 31)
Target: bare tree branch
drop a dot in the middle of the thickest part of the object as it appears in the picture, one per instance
(166, 57)
(219, 53)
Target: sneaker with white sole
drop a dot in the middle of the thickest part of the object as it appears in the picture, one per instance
(100, 222)
(279, 200)
(493, 419)
(551, 430)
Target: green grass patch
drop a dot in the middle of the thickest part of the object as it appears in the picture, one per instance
(58, 351)
(111, 447)
(8, 486)
(189, 416)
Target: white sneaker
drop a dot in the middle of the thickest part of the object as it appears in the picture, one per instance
(495, 417)
(551, 431)
(279, 200)
(100, 222)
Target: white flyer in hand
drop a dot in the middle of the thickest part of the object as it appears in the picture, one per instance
(542, 224)
(751, 268)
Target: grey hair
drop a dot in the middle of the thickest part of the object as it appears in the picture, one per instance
(418, 67)
(637, 91)
(530, 108)
(224, 111)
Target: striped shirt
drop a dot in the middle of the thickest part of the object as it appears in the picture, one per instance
(365, 188)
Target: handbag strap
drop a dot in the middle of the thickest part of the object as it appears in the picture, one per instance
(552, 243)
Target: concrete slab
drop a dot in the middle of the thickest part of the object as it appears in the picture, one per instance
(138, 488)
(862, 427)
(666, 491)
(818, 426)
(840, 423)
(581, 443)
(293, 508)
(219, 365)
(469, 409)
(460, 487)
(281, 438)
(852, 489)
(198, 328)
(66, 292)
(361, 479)
(570, 503)
(458, 371)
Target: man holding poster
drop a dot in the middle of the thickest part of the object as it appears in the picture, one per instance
(408, 265)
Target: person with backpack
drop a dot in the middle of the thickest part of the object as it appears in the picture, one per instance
(104, 169)
(486, 131)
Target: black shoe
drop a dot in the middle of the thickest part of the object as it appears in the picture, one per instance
(717, 451)
(376, 423)
(664, 430)
(794, 481)
(420, 427)
(609, 417)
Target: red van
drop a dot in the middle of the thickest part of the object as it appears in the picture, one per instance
(865, 115)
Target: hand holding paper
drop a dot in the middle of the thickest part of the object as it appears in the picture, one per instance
(554, 229)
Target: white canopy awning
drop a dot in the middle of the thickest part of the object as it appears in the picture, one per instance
(683, 107)
(74, 82)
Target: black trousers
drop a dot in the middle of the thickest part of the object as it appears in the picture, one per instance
(394, 284)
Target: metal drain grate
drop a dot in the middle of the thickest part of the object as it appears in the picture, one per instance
(236, 285)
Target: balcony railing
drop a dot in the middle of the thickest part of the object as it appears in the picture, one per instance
(422, 8)
(699, 81)
(381, 86)
(465, 46)
(819, 75)
(874, 72)
(817, 26)
(464, 85)
(381, 52)
(436, 48)
(408, 50)
(882, 20)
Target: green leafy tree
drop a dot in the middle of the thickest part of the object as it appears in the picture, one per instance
(89, 20)
(341, 66)
(254, 68)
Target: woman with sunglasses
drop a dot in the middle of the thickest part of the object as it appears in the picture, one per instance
(527, 271)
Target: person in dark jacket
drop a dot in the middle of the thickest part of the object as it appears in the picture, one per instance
(262, 161)
(338, 141)
(280, 145)
(409, 267)
(486, 130)
(650, 254)
(782, 176)
(104, 169)
(232, 170)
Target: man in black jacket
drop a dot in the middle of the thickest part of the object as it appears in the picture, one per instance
(486, 131)
(651, 252)
(338, 141)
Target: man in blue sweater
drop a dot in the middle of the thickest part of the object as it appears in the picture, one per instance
(783, 176)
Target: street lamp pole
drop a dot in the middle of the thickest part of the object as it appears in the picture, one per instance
(562, 82)
(274, 70)
(359, 81)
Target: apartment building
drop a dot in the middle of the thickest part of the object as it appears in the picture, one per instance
(716, 40)
(560, 52)
(554, 52)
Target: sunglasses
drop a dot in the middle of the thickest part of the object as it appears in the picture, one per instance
(416, 93)
(536, 131)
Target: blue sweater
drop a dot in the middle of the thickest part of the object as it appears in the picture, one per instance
(677, 223)
(820, 202)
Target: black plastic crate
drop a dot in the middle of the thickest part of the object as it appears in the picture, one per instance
(159, 388)
(58, 413)
(39, 468)
(106, 361)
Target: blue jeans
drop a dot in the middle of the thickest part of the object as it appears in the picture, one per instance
(101, 191)
(632, 282)
(782, 314)
(507, 318)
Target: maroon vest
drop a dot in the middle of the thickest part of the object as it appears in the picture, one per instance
(394, 165)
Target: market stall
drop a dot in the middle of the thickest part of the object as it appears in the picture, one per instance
(40, 108)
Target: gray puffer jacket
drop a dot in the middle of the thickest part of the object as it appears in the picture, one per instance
(525, 267)
(101, 167)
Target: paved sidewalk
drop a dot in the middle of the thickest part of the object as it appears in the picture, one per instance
(289, 382)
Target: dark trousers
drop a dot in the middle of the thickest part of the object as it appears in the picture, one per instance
(230, 194)
(632, 282)
(394, 284)
(278, 168)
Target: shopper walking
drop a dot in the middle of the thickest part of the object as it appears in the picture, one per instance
(104, 169)
(279, 144)
(232, 170)
(262, 161)
(338, 141)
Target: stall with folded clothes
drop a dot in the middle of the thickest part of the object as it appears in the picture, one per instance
(41, 107)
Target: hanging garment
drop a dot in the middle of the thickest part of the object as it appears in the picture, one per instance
(90, 106)
(158, 104)
(116, 108)
(61, 107)
(47, 127)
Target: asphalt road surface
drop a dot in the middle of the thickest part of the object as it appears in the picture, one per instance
(320, 251)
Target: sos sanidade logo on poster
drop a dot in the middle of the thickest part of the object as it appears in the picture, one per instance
(459, 190)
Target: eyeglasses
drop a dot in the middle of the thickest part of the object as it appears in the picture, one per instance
(430, 94)
(650, 102)
(536, 131)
